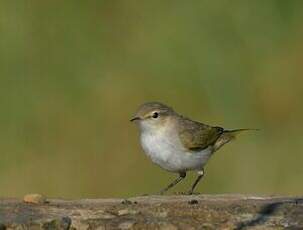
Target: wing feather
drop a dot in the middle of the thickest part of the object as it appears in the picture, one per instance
(196, 136)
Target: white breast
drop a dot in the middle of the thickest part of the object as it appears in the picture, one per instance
(165, 149)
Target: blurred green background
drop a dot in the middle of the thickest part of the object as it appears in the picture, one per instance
(72, 73)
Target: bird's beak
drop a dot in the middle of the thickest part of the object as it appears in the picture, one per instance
(135, 118)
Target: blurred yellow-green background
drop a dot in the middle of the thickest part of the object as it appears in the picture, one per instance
(72, 73)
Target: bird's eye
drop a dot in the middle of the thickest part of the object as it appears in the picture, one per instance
(155, 115)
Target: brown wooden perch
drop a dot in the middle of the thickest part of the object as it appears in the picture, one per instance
(155, 212)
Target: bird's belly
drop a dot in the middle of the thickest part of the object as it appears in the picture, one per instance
(171, 156)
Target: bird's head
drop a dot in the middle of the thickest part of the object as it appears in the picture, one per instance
(152, 115)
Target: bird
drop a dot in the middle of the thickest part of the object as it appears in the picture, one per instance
(176, 143)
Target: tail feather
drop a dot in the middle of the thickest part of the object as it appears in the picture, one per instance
(235, 132)
(229, 135)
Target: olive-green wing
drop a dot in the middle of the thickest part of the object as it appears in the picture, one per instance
(196, 136)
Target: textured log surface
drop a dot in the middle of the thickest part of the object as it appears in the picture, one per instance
(156, 212)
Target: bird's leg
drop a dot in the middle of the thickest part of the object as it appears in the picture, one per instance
(182, 175)
(200, 175)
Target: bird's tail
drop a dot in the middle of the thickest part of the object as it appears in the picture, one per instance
(235, 132)
(229, 135)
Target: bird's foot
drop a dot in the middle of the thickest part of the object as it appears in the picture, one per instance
(181, 193)
(190, 192)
